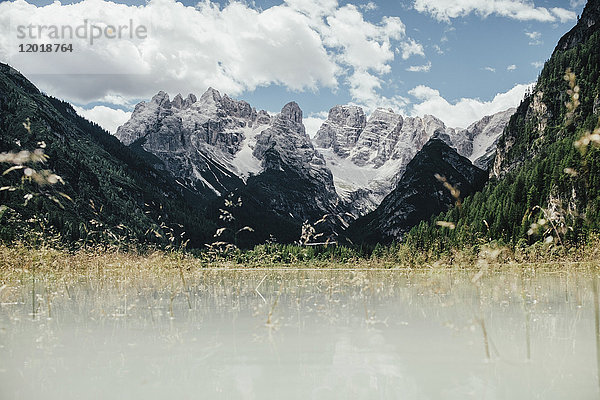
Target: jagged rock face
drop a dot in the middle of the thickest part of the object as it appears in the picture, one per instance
(287, 136)
(480, 139)
(586, 26)
(419, 194)
(341, 130)
(147, 117)
(287, 154)
(533, 110)
(375, 143)
(179, 103)
(413, 135)
(368, 160)
(212, 119)
(197, 140)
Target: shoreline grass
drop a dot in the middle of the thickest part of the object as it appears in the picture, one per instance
(19, 257)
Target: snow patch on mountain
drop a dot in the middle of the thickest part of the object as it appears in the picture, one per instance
(244, 162)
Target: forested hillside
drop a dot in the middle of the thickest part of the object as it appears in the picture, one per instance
(545, 181)
(105, 191)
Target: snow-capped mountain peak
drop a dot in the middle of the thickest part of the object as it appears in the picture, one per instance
(368, 157)
(204, 142)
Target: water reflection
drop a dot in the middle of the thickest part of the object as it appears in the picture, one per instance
(515, 334)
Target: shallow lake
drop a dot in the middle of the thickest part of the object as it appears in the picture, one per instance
(300, 334)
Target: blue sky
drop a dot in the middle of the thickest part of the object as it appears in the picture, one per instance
(456, 59)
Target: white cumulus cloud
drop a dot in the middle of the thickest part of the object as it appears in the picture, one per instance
(410, 47)
(563, 15)
(420, 68)
(465, 111)
(535, 38)
(523, 10)
(370, 6)
(364, 88)
(537, 64)
(300, 45)
(312, 123)
(108, 118)
(235, 48)
(363, 45)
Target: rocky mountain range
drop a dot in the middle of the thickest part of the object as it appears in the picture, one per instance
(368, 156)
(216, 144)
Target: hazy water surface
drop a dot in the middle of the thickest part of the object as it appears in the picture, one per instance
(261, 334)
